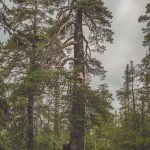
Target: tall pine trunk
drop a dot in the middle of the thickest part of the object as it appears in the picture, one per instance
(31, 94)
(78, 103)
(30, 106)
(56, 115)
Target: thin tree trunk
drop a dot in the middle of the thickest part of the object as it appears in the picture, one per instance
(132, 94)
(142, 120)
(30, 134)
(127, 89)
(56, 116)
(133, 102)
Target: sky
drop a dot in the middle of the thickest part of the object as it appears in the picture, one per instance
(127, 44)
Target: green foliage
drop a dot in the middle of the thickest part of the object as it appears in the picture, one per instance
(146, 18)
(133, 131)
(24, 75)
(53, 30)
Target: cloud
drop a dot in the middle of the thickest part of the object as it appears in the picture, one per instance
(128, 40)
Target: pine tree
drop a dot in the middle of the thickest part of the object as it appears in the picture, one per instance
(144, 78)
(96, 18)
(146, 18)
(28, 20)
(124, 95)
(128, 128)
(38, 47)
(4, 11)
(133, 130)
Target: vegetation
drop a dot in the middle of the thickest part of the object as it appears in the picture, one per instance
(46, 67)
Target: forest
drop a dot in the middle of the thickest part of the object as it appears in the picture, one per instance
(47, 65)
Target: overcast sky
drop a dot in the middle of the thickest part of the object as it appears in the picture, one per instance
(128, 40)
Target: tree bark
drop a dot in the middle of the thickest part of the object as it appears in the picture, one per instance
(30, 106)
(56, 115)
(30, 134)
(78, 103)
(31, 95)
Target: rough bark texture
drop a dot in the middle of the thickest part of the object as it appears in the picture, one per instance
(56, 116)
(78, 104)
(30, 106)
(30, 134)
(31, 94)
